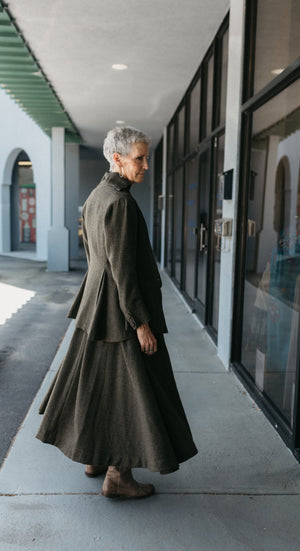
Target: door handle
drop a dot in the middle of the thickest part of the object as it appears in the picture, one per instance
(202, 237)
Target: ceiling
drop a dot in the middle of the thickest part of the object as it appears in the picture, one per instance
(76, 42)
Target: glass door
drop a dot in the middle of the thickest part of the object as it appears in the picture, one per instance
(202, 242)
(216, 249)
(169, 225)
(191, 217)
(178, 219)
(270, 349)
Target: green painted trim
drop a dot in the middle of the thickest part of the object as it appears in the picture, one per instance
(22, 78)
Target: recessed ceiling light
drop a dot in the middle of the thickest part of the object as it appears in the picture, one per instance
(277, 71)
(120, 122)
(119, 66)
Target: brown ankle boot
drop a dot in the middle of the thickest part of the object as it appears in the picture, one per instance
(94, 470)
(119, 483)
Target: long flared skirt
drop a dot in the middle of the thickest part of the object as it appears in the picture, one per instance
(111, 404)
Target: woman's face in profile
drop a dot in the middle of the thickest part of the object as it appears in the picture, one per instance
(136, 163)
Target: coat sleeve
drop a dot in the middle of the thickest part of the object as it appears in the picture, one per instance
(121, 234)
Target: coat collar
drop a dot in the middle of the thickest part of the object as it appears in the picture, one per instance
(115, 180)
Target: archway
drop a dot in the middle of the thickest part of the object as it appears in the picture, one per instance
(23, 205)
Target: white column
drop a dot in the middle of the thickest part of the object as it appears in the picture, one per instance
(72, 196)
(5, 237)
(231, 161)
(164, 193)
(58, 236)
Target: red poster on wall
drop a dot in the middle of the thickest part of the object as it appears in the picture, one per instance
(27, 210)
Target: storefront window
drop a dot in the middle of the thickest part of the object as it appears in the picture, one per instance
(223, 78)
(178, 222)
(195, 157)
(217, 241)
(169, 225)
(191, 206)
(157, 203)
(171, 146)
(209, 95)
(194, 115)
(277, 42)
(180, 133)
(271, 325)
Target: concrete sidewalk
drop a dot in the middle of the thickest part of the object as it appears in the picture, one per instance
(33, 309)
(241, 492)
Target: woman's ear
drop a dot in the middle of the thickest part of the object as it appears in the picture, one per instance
(117, 160)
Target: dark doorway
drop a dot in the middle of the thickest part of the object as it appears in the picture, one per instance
(23, 205)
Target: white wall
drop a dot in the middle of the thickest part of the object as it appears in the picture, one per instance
(72, 193)
(19, 132)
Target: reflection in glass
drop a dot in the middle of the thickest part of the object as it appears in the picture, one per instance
(217, 240)
(277, 39)
(271, 325)
(178, 222)
(195, 115)
(191, 224)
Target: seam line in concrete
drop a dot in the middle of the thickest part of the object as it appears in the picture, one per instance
(203, 372)
(245, 494)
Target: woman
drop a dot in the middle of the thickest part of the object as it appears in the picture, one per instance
(114, 404)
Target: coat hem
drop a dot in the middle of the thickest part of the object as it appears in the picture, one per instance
(134, 463)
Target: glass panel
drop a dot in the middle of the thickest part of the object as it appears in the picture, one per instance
(224, 77)
(191, 224)
(178, 222)
(277, 38)
(171, 147)
(209, 100)
(217, 240)
(271, 325)
(158, 176)
(195, 115)
(180, 133)
(204, 178)
(169, 223)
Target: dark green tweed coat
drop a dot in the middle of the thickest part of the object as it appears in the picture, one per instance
(109, 403)
(121, 289)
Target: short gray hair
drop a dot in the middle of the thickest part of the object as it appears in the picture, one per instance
(120, 140)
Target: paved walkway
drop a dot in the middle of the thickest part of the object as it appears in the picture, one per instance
(240, 493)
(33, 308)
